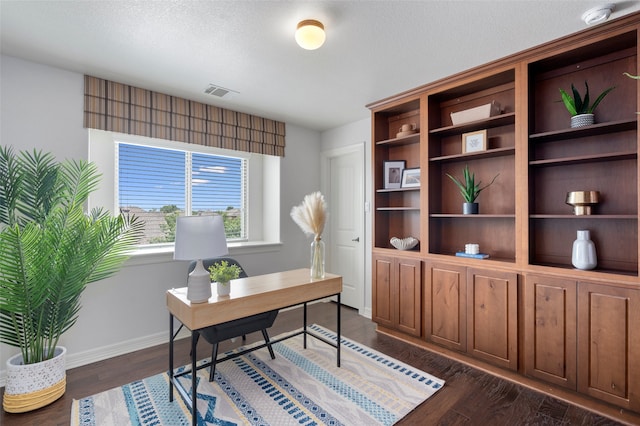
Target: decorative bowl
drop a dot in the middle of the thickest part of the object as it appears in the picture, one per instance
(404, 243)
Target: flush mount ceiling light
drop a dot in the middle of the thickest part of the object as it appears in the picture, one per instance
(310, 34)
(598, 14)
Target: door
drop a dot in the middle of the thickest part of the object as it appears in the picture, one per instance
(344, 191)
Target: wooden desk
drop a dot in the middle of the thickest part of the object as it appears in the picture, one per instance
(249, 296)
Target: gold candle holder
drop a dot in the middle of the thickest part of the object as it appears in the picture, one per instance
(582, 201)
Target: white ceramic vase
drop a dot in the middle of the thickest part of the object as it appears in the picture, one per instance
(584, 251)
(32, 386)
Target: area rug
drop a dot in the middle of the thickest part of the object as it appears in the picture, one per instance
(301, 386)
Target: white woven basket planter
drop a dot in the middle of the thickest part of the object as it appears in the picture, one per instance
(32, 386)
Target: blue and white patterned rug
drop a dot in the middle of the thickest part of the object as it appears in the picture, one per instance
(301, 387)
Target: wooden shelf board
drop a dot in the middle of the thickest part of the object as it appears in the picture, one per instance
(585, 217)
(497, 152)
(385, 190)
(580, 132)
(472, 216)
(397, 209)
(597, 270)
(496, 121)
(622, 155)
(404, 140)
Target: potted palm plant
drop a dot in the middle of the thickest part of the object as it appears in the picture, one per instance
(50, 249)
(470, 189)
(581, 110)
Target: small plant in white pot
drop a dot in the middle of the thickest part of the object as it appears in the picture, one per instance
(469, 189)
(222, 272)
(581, 110)
(50, 249)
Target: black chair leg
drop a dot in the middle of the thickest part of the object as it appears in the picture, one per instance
(214, 360)
(267, 341)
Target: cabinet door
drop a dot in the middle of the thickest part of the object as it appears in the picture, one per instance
(409, 284)
(550, 329)
(492, 316)
(382, 291)
(445, 305)
(609, 343)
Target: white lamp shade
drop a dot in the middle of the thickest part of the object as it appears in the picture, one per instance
(310, 34)
(200, 237)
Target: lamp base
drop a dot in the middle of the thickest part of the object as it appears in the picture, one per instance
(199, 284)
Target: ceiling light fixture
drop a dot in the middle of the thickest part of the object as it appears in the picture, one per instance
(310, 34)
(598, 14)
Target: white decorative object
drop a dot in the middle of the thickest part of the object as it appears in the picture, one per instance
(31, 386)
(223, 288)
(311, 216)
(474, 114)
(584, 251)
(472, 248)
(405, 243)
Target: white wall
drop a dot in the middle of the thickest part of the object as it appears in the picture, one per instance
(42, 107)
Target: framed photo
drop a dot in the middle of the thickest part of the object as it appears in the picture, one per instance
(411, 178)
(474, 141)
(393, 174)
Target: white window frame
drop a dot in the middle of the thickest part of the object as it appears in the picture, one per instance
(263, 209)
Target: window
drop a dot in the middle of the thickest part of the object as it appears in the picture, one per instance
(159, 184)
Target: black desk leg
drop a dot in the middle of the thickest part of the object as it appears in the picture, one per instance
(338, 327)
(194, 379)
(170, 357)
(304, 326)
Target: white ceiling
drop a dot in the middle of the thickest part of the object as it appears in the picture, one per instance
(374, 49)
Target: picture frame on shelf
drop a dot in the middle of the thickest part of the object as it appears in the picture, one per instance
(474, 141)
(411, 178)
(393, 174)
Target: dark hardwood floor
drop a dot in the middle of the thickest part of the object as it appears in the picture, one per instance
(469, 397)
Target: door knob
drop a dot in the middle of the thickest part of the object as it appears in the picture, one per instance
(356, 239)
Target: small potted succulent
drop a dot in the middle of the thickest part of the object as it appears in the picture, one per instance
(221, 272)
(470, 189)
(581, 110)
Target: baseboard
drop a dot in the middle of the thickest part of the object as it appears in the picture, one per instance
(110, 351)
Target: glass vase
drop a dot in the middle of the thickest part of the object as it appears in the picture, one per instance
(584, 251)
(317, 258)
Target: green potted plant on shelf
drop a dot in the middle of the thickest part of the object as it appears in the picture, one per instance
(581, 110)
(222, 272)
(470, 189)
(50, 249)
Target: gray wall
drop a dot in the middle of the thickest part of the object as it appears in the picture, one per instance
(41, 107)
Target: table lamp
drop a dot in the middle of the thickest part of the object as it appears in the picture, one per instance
(197, 238)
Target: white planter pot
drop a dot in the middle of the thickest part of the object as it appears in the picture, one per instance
(32, 386)
(582, 120)
(224, 289)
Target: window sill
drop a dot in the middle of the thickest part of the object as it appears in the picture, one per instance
(147, 256)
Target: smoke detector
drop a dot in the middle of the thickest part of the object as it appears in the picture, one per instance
(598, 14)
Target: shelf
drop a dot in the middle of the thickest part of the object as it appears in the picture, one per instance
(473, 216)
(496, 121)
(585, 217)
(581, 132)
(387, 190)
(497, 152)
(404, 140)
(591, 158)
(397, 209)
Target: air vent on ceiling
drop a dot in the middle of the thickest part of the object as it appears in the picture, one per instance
(218, 91)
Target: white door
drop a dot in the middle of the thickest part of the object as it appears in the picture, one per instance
(345, 250)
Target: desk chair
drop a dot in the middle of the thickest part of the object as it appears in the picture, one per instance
(235, 328)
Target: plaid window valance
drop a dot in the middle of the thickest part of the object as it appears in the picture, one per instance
(127, 109)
